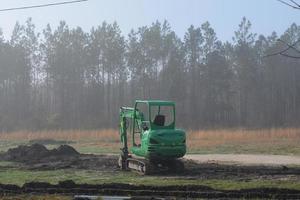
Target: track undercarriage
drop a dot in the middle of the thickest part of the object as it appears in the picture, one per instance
(148, 167)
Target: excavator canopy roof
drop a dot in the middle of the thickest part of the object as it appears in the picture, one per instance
(156, 102)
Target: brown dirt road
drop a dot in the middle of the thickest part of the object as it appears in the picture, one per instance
(244, 159)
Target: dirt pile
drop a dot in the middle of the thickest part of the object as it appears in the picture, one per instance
(36, 152)
(37, 156)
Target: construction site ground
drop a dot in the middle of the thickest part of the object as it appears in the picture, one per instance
(36, 169)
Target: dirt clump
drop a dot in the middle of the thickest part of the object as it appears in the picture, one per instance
(22, 153)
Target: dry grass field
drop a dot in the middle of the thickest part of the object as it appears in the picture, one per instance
(266, 141)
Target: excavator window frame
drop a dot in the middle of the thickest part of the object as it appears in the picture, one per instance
(168, 126)
(139, 127)
(152, 125)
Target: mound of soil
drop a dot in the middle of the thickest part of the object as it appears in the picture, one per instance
(37, 156)
(36, 152)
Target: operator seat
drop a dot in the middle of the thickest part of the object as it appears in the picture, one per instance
(159, 120)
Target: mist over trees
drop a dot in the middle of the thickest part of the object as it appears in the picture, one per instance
(67, 78)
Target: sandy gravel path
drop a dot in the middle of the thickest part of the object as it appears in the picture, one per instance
(246, 159)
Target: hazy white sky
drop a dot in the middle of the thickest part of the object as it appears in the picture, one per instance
(224, 15)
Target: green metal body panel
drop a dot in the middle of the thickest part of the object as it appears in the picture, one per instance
(156, 142)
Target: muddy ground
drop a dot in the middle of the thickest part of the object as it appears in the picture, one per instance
(38, 157)
(70, 188)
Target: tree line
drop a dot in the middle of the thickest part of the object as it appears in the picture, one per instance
(66, 78)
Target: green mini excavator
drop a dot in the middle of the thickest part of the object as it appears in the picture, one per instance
(150, 141)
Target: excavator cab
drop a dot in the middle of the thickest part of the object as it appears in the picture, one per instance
(152, 134)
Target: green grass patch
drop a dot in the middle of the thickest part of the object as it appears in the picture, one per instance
(19, 177)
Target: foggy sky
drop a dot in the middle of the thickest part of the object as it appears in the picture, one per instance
(224, 15)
